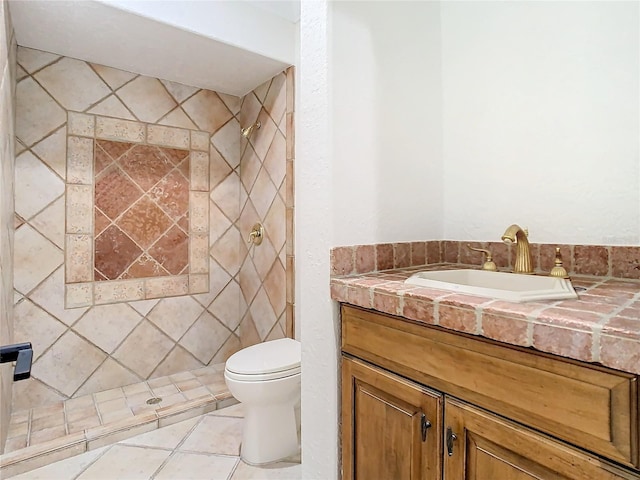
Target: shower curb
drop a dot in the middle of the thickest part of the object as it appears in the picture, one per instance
(36, 456)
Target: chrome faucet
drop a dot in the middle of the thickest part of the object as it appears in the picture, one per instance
(515, 234)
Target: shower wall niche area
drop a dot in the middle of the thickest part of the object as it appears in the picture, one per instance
(134, 196)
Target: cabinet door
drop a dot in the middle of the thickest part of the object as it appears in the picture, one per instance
(482, 446)
(391, 427)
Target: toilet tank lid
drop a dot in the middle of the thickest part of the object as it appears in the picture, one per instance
(272, 356)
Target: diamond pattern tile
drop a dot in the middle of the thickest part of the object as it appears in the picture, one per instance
(109, 375)
(114, 149)
(87, 89)
(262, 314)
(33, 324)
(114, 192)
(114, 252)
(226, 194)
(143, 350)
(147, 98)
(60, 366)
(263, 193)
(107, 325)
(146, 165)
(205, 337)
(36, 186)
(112, 107)
(112, 76)
(35, 258)
(172, 251)
(207, 110)
(275, 287)
(50, 296)
(179, 91)
(177, 332)
(37, 114)
(53, 151)
(226, 306)
(145, 266)
(144, 222)
(177, 118)
(227, 142)
(32, 60)
(171, 194)
(50, 222)
(175, 315)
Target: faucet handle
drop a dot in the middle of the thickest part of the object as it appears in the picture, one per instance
(558, 270)
(488, 263)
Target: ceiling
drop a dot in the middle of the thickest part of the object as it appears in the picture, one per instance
(229, 47)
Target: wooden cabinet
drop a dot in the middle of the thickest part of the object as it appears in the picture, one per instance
(391, 427)
(495, 412)
(483, 446)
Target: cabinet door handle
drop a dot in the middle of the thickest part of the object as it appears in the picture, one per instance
(425, 424)
(451, 437)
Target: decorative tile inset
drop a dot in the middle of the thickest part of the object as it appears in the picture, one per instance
(145, 222)
(118, 291)
(172, 251)
(168, 136)
(114, 192)
(80, 124)
(114, 252)
(146, 165)
(171, 194)
(123, 130)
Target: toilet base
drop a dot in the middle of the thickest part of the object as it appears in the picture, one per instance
(270, 433)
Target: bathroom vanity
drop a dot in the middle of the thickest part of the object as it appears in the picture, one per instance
(420, 402)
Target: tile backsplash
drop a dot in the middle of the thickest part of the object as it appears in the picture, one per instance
(599, 260)
(172, 312)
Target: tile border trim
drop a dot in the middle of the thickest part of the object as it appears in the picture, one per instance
(80, 288)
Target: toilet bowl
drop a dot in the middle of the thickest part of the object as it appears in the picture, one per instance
(265, 378)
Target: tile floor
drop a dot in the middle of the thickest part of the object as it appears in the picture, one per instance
(204, 447)
(39, 425)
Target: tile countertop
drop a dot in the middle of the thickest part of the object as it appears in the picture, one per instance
(602, 326)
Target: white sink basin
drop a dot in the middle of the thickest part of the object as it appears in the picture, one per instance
(504, 286)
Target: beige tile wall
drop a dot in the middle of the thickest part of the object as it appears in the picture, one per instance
(7, 112)
(266, 196)
(91, 348)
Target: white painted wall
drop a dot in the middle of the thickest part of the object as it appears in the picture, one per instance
(385, 118)
(541, 120)
(314, 309)
(368, 170)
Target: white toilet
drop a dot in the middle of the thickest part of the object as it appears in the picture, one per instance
(265, 378)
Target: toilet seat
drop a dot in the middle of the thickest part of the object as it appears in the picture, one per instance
(265, 361)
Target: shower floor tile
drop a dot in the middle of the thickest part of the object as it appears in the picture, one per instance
(169, 453)
(143, 406)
